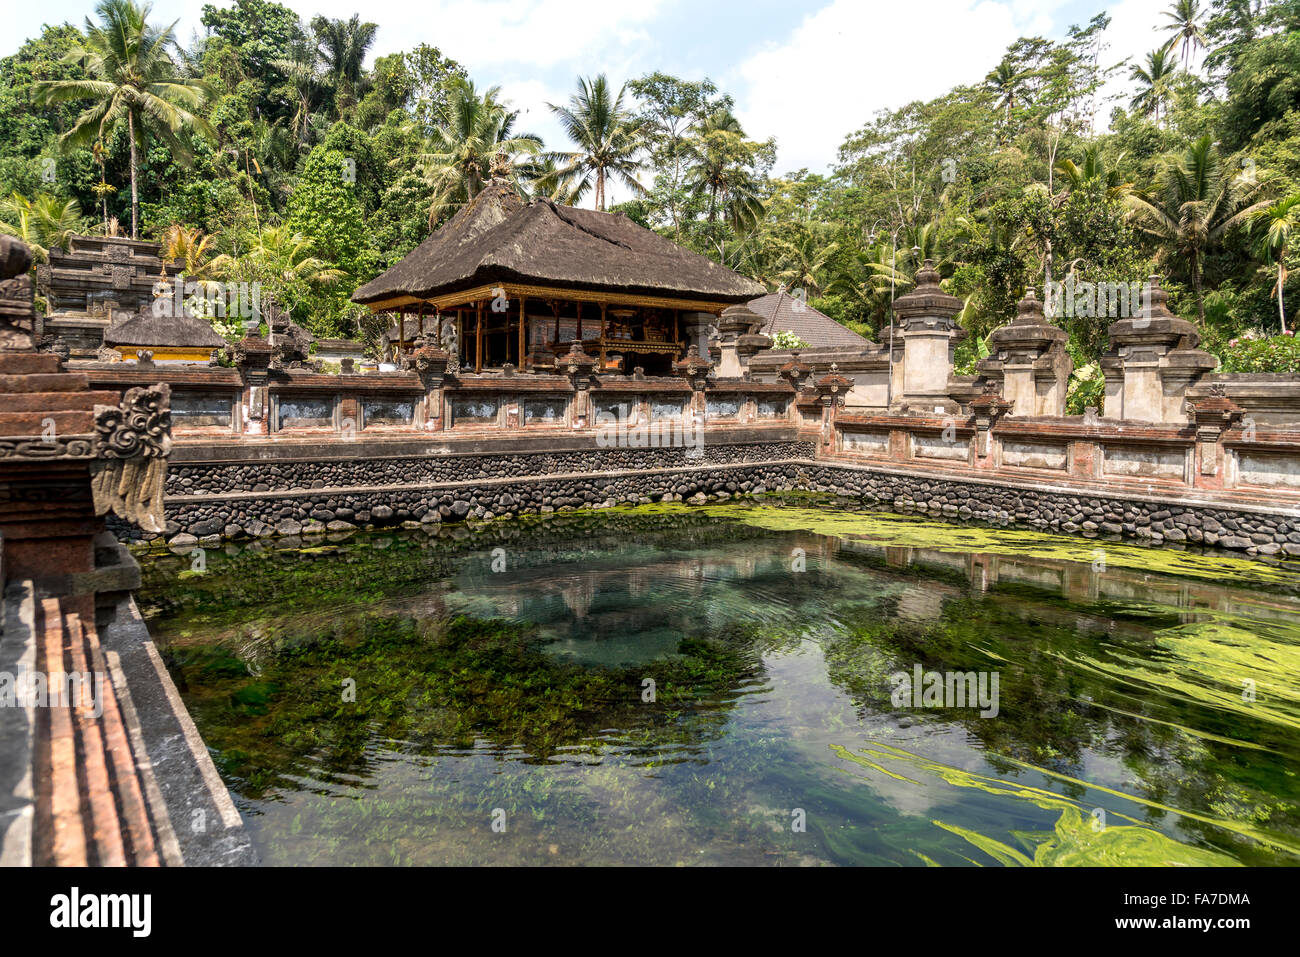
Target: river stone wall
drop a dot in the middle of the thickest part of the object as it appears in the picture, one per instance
(280, 475)
(261, 499)
(1158, 519)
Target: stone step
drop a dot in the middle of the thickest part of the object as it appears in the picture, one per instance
(26, 363)
(66, 422)
(91, 805)
(44, 382)
(57, 401)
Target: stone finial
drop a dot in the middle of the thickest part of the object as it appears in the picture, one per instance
(1156, 305)
(428, 361)
(1029, 311)
(833, 386)
(1028, 360)
(693, 364)
(927, 302)
(694, 368)
(577, 365)
(739, 320)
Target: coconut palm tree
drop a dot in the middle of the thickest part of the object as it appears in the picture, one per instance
(1278, 221)
(1006, 82)
(804, 261)
(1185, 17)
(343, 45)
(305, 86)
(43, 223)
(720, 167)
(608, 138)
(1093, 169)
(130, 76)
(1197, 199)
(472, 133)
(193, 250)
(1155, 83)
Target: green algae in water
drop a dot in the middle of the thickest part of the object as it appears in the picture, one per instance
(524, 690)
(1076, 840)
(887, 528)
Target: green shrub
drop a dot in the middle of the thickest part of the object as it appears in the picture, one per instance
(1254, 353)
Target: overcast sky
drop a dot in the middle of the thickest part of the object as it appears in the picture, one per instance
(807, 73)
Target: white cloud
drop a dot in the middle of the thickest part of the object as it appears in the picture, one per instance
(496, 35)
(1136, 29)
(850, 59)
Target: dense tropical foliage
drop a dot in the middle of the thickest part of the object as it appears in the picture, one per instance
(270, 151)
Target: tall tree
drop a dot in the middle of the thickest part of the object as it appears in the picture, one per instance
(471, 132)
(1007, 82)
(1184, 18)
(608, 141)
(1155, 83)
(1196, 201)
(1279, 221)
(343, 45)
(131, 76)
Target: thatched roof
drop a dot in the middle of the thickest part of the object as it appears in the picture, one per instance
(145, 330)
(498, 237)
(820, 331)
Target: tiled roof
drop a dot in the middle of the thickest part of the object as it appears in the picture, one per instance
(784, 312)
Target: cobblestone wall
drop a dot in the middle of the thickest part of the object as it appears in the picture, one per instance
(301, 498)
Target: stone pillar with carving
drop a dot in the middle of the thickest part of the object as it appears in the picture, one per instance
(252, 355)
(1152, 361)
(986, 410)
(1213, 415)
(580, 368)
(430, 363)
(68, 456)
(1027, 361)
(695, 369)
(927, 317)
(739, 340)
(831, 390)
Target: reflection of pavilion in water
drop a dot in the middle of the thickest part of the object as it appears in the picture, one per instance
(614, 598)
(1080, 583)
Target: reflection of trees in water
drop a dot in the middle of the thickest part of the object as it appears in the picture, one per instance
(437, 686)
(1055, 710)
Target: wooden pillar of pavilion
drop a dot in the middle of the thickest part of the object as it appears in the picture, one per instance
(401, 332)
(478, 336)
(602, 337)
(523, 324)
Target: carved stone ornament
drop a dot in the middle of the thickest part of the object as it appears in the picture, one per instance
(132, 441)
(17, 315)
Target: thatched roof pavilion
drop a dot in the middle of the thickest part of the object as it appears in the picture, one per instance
(525, 279)
(171, 335)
